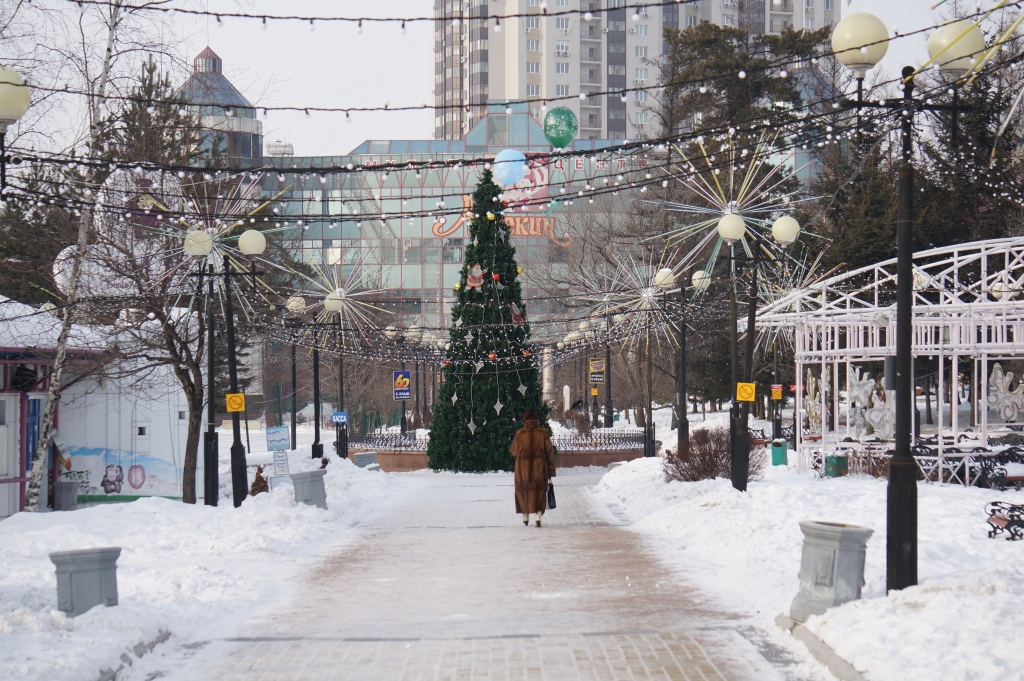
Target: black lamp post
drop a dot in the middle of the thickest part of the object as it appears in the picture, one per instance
(862, 44)
(609, 412)
(199, 245)
(211, 474)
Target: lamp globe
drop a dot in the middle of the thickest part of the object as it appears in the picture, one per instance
(334, 301)
(955, 46)
(665, 279)
(731, 227)
(15, 97)
(860, 41)
(785, 230)
(252, 242)
(198, 244)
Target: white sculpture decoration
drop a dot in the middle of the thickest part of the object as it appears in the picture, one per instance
(1005, 401)
(882, 415)
(861, 390)
(812, 402)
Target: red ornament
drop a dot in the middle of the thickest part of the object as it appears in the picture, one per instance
(495, 276)
(526, 353)
(491, 355)
(446, 362)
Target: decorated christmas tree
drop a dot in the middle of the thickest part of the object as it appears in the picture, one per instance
(490, 373)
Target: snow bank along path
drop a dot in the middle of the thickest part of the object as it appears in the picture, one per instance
(964, 621)
(194, 571)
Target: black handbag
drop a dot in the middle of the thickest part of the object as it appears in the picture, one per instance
(551, 495)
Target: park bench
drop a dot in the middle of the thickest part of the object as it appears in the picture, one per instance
(1002, 469)
(758, 438)
(1005, 517)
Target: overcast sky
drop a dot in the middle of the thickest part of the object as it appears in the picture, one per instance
(287, 64)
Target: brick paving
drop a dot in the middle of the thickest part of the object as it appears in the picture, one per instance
(448, 584)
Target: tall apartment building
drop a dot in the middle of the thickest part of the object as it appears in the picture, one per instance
(558, 49)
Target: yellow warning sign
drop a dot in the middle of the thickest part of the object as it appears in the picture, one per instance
(745, 392)
(593, 391)
(236, 402)
(776, 393)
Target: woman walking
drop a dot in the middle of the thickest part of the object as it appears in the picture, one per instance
(535, 466)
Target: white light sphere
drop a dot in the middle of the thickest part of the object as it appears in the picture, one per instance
(584, 325)
(664, 279)
(15, 97)
(731, 227)
(509, 167)
(252, 242)
(413, 333)
(700, 280)
(785, 230)
(860, 41)
(334, 301)
(390, 331)
(295, 304)
(1002, 291)
(198, 244)
(560, 345)
(958, 41)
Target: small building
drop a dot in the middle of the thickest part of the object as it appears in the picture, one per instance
(119, 438)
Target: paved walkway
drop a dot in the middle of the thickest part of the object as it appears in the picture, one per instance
(450, 585)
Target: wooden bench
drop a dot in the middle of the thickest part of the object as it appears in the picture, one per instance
(1001, 470)
(1005, 517)
(758, 438)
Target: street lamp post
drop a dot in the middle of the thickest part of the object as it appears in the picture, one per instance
(609, 412)
(860, 42)
(251, 243)
(334, 303)
(211, 474)
(15, 97)
(295, 390)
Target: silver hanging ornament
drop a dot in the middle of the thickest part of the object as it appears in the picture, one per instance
(458, 322)
(497, 407)
(469, 336)
(521, 389)
(472, 427)
(479, 366)
(455, 398)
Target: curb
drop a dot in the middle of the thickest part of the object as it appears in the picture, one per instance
(139, 649)
(820, 650)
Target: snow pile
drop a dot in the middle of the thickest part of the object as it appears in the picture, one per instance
(744, 549)
(194, 571)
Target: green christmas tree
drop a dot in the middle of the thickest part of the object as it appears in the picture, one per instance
(490, 373)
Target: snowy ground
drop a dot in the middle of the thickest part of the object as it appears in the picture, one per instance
(194, 571)
(964, 621)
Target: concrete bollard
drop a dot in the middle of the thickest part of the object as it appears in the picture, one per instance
(309, 487)
(831, 567)
(86, 578)
(364, 459)
(65, 498)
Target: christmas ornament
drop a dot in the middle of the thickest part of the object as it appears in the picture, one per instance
(519, 270)
(455, 398)
(509, 167)
(490, 216)
(517, 314)
(497, 407)
(560, 127)
(479, 366)
(491, 355)
(458, 286)
(475, 277)
(521, 389)
(472, 427)
(495, 276)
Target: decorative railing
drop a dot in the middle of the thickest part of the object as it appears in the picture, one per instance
(614, 439)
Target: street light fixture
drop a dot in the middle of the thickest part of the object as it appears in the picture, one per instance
(901, 520)
(15, 97)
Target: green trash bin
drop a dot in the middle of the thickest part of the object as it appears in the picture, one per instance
(780, 453)
(836, 466)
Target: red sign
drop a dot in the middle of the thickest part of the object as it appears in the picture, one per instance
(776, 386)
(792, 387)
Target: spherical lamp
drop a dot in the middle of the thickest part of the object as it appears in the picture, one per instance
(390, 332)
(584, 325)
(252, 242)
(860, 41)
(295, 304)
(334, 301)
(785, 230)
(731, 227)
(509, 167)
(198, 244)
(955, 46)
(700, 280)
(15, 97)
(665, 279)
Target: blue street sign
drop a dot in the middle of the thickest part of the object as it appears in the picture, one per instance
(339, 418)
(279, 438)
(402, 381)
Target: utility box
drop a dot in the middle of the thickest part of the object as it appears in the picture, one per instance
(831, 567)
(836, 466)
(65, 495)
(309, 488)
(86, 578)
(364, 459)
(780, 453)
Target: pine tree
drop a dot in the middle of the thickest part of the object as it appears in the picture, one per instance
(490, 374)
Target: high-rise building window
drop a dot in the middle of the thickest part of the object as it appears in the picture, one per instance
(640, 74)
(533, 67)
(641, 29)
(561, 90)
(533, 90)
(533, 46)
(618, 48)
(809, 4)
(561, 67)
(641, 96)
(532, 22)
(563, 3)
(640, 51)
(562, 23)
(531, 3)
(809, 23)
(593, 120)
(828, 5)
(692, 21)
(616, 70)
(617, 26)
(616, 4)
(641, 118)
(561, 48)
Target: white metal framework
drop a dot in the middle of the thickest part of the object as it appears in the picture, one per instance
(967, 315)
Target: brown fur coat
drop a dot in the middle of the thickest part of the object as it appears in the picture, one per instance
(535, 466)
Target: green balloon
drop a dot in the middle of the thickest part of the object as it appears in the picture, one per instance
(560, 127)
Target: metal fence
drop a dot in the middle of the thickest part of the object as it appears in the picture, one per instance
(617, 439)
